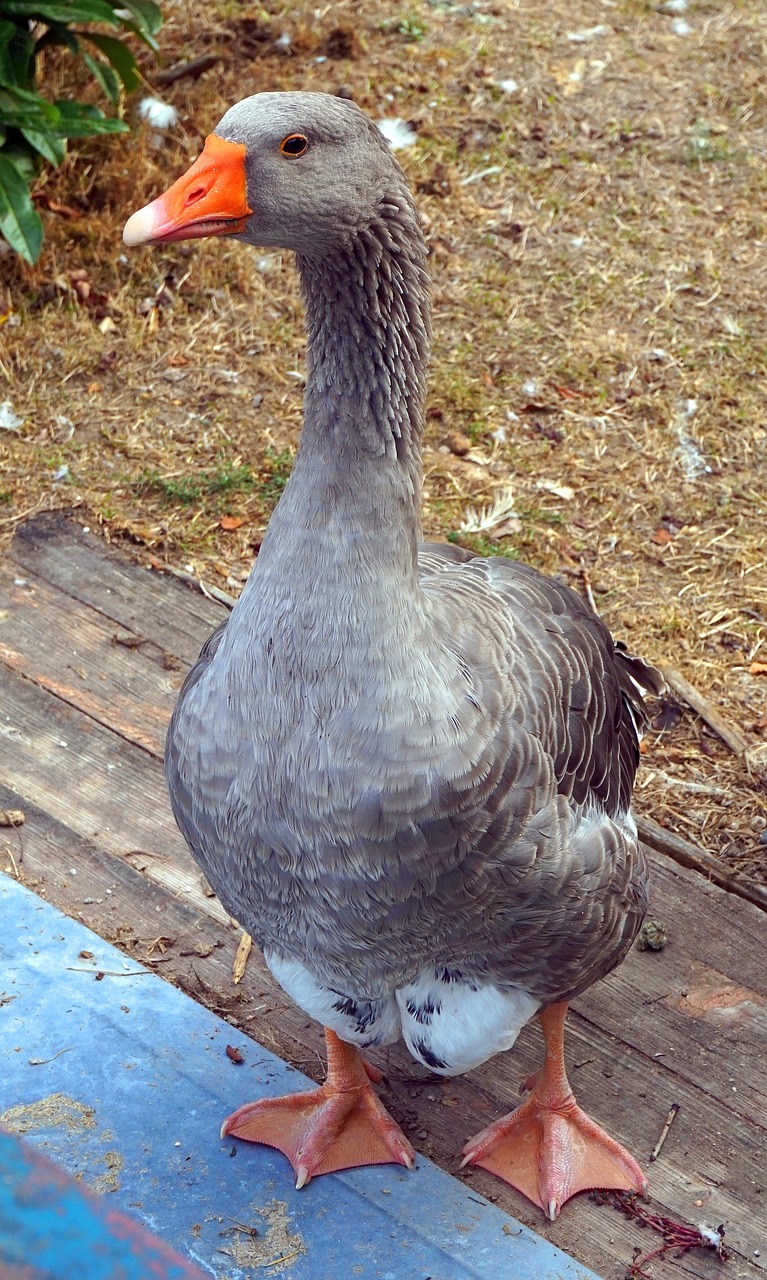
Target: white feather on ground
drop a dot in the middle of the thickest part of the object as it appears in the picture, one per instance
(398, 133)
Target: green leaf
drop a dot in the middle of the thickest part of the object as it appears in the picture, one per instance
(57, 33)
(148, 18)
(7, 32)
(143, 30)
(20, 222)
(81, 120)
(16, 49)
(120, 57)
(24, 159)
(7, 71)
(65, 11)
(21, 109)
(48, 144)
(106, 77)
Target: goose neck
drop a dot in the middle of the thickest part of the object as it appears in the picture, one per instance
(368, 327)
(349, 518)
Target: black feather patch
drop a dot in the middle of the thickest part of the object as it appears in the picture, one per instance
(426, 1055)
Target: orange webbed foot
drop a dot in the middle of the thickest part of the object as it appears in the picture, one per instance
(340, 1125)
(548, 1148)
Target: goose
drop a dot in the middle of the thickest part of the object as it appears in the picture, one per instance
(405, 769)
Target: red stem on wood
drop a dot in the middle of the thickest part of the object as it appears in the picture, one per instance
(678, 1235)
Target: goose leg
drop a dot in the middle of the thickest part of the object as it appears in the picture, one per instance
(339, 1125)
(548, 1148)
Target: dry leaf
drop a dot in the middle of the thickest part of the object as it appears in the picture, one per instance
(234, 1054)
(231, 522)
(459, 444)
(756, 759)
(570, 76)
(563, 491)
(661, 536)
(93, 387)
(567, 393)
(758, 669)
(12, 818)
(241, 959)
(66, 210)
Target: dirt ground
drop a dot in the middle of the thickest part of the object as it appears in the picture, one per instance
(593, 184)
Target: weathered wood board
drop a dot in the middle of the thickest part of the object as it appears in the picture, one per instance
(92, 652)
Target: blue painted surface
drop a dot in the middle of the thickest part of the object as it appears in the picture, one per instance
(51, 1229)
(143, 1082)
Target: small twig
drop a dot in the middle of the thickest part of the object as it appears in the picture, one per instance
(280, 1262)
(670, 1118)
(689, 855)
(15, 819)
(244, 948)
(43, 1062)
(9, 851)
(109, 973)
(213, 593)
(705, 709)
(587, 587)
(195, 67)
(22, 514)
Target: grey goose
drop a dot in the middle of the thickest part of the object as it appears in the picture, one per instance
(405, 769)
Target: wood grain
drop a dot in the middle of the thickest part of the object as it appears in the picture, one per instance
(687, 855)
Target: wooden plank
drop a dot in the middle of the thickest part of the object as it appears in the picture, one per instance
(118, 901)
(69, 765)
(130, 689)
(697, 859)
(701, 1002)
(149, 604)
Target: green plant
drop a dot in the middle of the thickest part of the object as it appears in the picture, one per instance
(189, 489)
(482, 546)
(32, 128)
(410, 26)
(279, 463)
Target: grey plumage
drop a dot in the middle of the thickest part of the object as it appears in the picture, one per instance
(397, 760)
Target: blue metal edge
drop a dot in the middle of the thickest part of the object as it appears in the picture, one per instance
(142, 1081)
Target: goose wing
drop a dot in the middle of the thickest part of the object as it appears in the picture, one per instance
(553, 875)
(591, 689)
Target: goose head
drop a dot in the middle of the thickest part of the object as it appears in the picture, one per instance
(300, 171)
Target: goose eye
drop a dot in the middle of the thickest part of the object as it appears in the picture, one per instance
(294, 145)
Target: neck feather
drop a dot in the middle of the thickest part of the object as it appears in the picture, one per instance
(349, 518)
(368, 331)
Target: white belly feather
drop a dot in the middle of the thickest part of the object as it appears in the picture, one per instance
(449, 1023)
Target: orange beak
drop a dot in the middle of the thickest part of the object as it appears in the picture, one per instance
(209, 200)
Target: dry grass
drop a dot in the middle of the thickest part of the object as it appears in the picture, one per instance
(599, 251)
